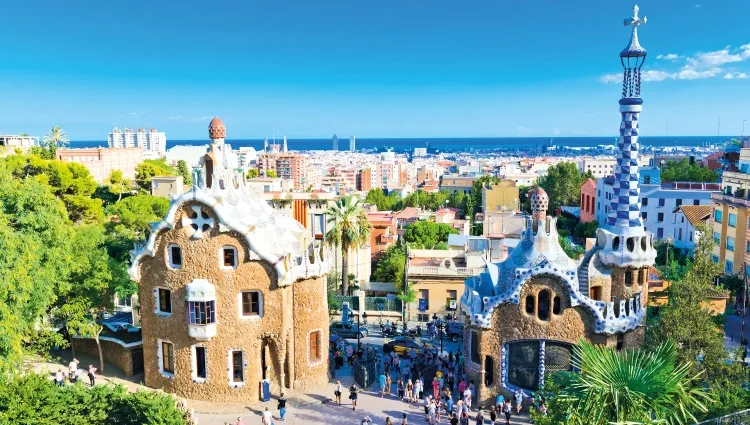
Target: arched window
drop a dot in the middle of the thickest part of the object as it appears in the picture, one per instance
(475, 347)
(209, 164)
(529, 304)
(642, 276)
(543, 305)
(489, 371)
(628, 278)
(556, 305)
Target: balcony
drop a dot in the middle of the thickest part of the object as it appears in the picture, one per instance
(730, 199)
(444, 271)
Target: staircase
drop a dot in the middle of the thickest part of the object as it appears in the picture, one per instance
(583, 272)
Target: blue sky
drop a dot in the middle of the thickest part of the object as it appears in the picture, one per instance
(416, 68)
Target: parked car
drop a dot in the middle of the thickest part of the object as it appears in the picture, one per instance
(403, 344)
(348, 330)
(454, 330)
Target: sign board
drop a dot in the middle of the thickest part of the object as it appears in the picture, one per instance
(422, 304)
(452, 304)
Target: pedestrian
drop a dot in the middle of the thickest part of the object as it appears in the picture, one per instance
(431, 412)
(72, 367)
(239, 422)
(467, 398)
(454, 419)
(337, 359)
(480, 418)
(435, 388)
(382, 380)
(400, 387)
(337, 392)
(543, 409)
(448, 399)
(60, 378)
(388, 383)
(427, 408)
(282, 406)
(409, 391)
(388, 420)
(507, 409)
(464, 419)
(403, 419)
(79, 374)
(461, 387)
(493, 415)
(92, 369)
(451, 379)
(366, 420)
(518, 396)
(267, 418)
(353, 390)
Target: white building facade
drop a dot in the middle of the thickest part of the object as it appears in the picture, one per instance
(150, 141)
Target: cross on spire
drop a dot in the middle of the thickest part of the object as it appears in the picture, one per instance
(635, 21)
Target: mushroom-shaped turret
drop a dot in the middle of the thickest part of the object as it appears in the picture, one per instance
(216, 129)
(539, 205)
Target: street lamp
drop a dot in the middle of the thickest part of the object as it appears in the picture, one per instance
(439, 326)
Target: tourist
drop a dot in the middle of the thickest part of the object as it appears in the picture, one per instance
(459, 407)
(480, 418)
(464, 418)
(400, 388)
(438, 403)
(467, 398)
(543, 409)
(382, 380)
(507, 409)
(388, 420)
(461, 387)
(409, 391)
(239, 422)
(403, 419)
(78, 374)
(518, 396)
(435, 388)
(72, 367)
(427, 408)
(431, 410)
(473, 388)
(337, 392)
(353, 390)
(454, 419)
(451, 379)
(350, 354)
(493, 415)
(388, 383)
(338, 361)
(59, 378)
(92, 369)
(267, 418)
(418, 389)
(448, 399)
(282, 406)
(366, 420)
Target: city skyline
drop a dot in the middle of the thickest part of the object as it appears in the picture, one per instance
(391, 70)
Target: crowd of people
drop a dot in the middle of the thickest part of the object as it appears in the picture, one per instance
(75, 374)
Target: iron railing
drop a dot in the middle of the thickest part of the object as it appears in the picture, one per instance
(737, 418)
(382, 304)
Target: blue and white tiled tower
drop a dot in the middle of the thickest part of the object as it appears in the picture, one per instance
(623, 240)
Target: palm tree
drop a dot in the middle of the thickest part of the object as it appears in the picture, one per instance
(628, 387)
(350, 229)
(55, 138)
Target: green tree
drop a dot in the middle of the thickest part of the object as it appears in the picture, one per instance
(56, 138)
(428, 234)
(624, 387)
(391, 266)
(150, 168)
(349, 230)
(523, 198)
(563, 184)
(390, 202)
(130, 221)
(252, 173)
(119, 184)
(35, 261)
(573, 251)
(183, 170)
(686, 170)
(272, 174)
(586, 230)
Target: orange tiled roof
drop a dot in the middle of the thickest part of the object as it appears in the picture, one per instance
(696, 214)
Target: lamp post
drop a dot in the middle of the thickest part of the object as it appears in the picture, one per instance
(358, 332)
(439, 326)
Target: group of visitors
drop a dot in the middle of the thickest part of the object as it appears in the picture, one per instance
(75, 374)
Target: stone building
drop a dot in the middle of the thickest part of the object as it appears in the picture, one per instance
(525, 313)
(230, 294)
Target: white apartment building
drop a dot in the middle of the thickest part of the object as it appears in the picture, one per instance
(659, 203)
(420, 152)
(21, 142)
(352, 143)
(603, 166)
(192, 155)
(150, 141)
(247, 157)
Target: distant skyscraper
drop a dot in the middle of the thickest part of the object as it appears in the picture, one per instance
(286, 149)
(352, 144)
(335, 143)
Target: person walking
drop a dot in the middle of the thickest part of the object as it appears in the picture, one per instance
(431, 411)
(467, 398)
(72, 367)
(464, 419)
(427, 408)
(382, 380)
(59, 378)
(403, 419)
(388, 383)
(493, 415)
(400, 387)
(448, 399)
(480, 418)
(267, 418)
(92, 369)
(337, 392)
(409, 391)
(518, 396)
(366, 421)
(454, 419)
(419, 390)
(435, 388)
(388, 420)
(282, 406)
(353, 392)
(239, 422)
(507, 409)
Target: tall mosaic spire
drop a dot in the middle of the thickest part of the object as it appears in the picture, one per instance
(624, 240)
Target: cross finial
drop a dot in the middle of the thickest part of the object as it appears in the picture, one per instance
(635, 21)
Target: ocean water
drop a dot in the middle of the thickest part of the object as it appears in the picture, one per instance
(457, 144)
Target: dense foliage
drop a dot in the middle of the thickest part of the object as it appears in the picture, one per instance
(687, 170)
(428, 235)
(151, 168)
(33, 399)
(563, 184)
(348, 229)
(619, 387)
(390, 267)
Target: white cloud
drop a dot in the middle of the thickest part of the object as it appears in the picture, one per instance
(697, 6)
(700, 66)
(555, 131)
(669, 57)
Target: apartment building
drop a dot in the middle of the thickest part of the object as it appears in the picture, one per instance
(364, 180)
(152, 142)
(21, 142)
(588, 201)
(287, 165)
(102, 161)
(502, 196)
(453, 184)
(689, 218)
(730, 221)
(383, 232)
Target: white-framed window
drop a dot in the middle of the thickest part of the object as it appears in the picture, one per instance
(236, 364)
(319, 225)
(174, 256)
(228, 257)
(163, 302)
(199, 357)
(250, 304)
(315, 347)
(165, 357)
(201, 312)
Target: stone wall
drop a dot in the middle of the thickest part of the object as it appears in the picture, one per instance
(265, 340)
(113, 352)
(310, 315)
